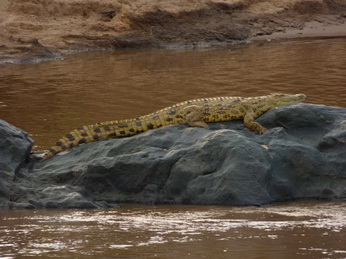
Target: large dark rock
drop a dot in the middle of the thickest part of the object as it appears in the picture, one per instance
(302, 156)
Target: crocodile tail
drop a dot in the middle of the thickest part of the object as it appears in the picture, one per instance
(115, 129)
(105, 130)
(72, 139)
(85, 134)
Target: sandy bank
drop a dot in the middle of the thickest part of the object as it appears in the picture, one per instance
(312, 29)
(43, 29)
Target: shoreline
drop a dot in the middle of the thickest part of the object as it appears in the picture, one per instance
(35, 58)
(311, 30)
(49, 30)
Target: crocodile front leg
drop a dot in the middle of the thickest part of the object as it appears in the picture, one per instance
(193, 116)
(250, 123)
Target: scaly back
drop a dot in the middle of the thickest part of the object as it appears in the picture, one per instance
(194, 112)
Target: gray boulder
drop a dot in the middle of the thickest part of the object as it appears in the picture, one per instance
(302, 156)
(15, 147)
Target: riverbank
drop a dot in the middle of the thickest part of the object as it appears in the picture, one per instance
(32, 31)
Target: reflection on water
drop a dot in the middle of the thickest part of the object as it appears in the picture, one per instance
(313, 229)
(50, 99)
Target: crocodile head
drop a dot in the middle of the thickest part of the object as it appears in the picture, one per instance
(285, 99)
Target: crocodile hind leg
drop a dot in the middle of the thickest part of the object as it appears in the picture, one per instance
(250, 123)
(193, 115)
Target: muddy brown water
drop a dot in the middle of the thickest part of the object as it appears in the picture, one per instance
(287, 230)
(49, 99)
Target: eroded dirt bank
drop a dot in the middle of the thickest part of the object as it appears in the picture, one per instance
(33, 30)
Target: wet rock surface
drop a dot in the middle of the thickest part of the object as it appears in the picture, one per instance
(302, 156)
(34, 31)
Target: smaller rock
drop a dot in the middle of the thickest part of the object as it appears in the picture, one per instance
(15, 147)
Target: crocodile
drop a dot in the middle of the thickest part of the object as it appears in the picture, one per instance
(195, 113)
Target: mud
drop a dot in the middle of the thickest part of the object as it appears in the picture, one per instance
(36, 30)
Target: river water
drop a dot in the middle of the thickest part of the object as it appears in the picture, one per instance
(49, 99)
(287, 230)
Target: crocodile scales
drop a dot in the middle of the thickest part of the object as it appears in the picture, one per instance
(195, 113)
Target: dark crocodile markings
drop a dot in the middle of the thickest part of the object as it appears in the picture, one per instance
(70, 137)
(209, 110)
